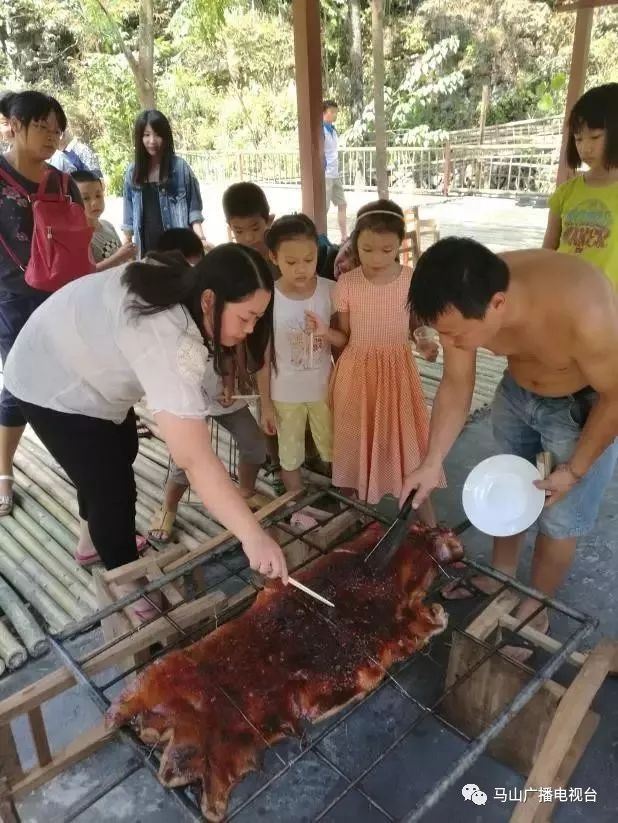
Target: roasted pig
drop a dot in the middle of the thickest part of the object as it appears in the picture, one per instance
(215, 706)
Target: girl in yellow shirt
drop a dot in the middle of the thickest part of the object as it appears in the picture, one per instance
(583, 212)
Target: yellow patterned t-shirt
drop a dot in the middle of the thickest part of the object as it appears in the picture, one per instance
(589, 216)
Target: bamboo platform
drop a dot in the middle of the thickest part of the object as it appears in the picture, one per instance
(41, 585)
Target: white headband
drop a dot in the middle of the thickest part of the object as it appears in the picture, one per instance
(380, 211)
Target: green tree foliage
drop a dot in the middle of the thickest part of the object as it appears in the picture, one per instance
(224, 69)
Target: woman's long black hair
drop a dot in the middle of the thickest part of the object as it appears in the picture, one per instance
(159, 123)
(231, 271)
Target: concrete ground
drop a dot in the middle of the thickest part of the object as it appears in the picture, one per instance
(500, 223)
(424, 756)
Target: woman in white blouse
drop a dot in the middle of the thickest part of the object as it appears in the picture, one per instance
(159, 329)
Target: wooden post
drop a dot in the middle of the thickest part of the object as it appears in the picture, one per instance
(577, 78)
(377, 37)
(308, 57)
(448, 168)
(8, 813)
(484, 110)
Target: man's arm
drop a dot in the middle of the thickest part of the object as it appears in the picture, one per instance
(452, 402)
(450, 411)
(597, 357)
(596, 353)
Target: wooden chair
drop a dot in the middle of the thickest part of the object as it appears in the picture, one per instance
(416, 231)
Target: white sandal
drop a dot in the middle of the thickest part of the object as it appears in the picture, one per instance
(6, 500)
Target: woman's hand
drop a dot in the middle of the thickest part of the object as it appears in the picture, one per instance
(315, 324)
(226, 398)
(269, 418)
(265, 556)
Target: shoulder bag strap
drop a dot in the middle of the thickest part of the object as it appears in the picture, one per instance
(8, 178)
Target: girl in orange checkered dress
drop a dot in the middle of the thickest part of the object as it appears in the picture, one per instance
(380, 417)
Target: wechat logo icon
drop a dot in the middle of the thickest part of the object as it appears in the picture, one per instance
(472, 792)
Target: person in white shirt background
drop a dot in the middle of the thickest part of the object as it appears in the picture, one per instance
(73, 155)
(334, 185)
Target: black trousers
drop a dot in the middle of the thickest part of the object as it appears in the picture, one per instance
(98, 457)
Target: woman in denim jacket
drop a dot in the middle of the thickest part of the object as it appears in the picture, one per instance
(160, 190)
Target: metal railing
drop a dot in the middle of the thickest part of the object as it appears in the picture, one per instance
(502, 169)
(517, 130)
(505, 169)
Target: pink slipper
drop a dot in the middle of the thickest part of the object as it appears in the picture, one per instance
(302, 522)
(143, 610)
(86, 559)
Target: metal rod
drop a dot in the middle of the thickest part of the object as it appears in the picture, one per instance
(359, 789)
(473, 750)
(476, 748)
(102, 703)
(527, 590)
(191, 564)
(99, 791)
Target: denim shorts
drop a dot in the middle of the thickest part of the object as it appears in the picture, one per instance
(525, 424)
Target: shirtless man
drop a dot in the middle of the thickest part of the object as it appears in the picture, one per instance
(555, 317)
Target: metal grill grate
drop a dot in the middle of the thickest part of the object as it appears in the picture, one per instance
(322, 743)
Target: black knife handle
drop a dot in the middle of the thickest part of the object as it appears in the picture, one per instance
(407, 506)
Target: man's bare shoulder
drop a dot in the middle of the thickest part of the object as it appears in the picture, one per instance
(563, 284)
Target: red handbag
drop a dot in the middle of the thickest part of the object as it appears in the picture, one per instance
(60, 249)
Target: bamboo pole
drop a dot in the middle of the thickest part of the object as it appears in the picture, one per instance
(59, 593)
(185, 519)
(154, 454)
(194, 521)
(37, 514)
(12, 652)
(23, 622)
(46, 558)
(158, 447)
(49, 610)
(54, 485)
(53, 548)
(150, 491)
(44, 457)
(146, 469)
(47, 502)
(45, 466)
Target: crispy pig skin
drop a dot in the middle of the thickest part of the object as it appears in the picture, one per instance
(214, 706)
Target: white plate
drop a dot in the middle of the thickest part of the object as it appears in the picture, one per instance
(499, 497)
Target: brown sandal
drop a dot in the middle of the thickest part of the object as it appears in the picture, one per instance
(162, 522)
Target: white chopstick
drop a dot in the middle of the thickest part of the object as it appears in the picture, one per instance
(309, 591)
(245, 397)
(311, 339)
